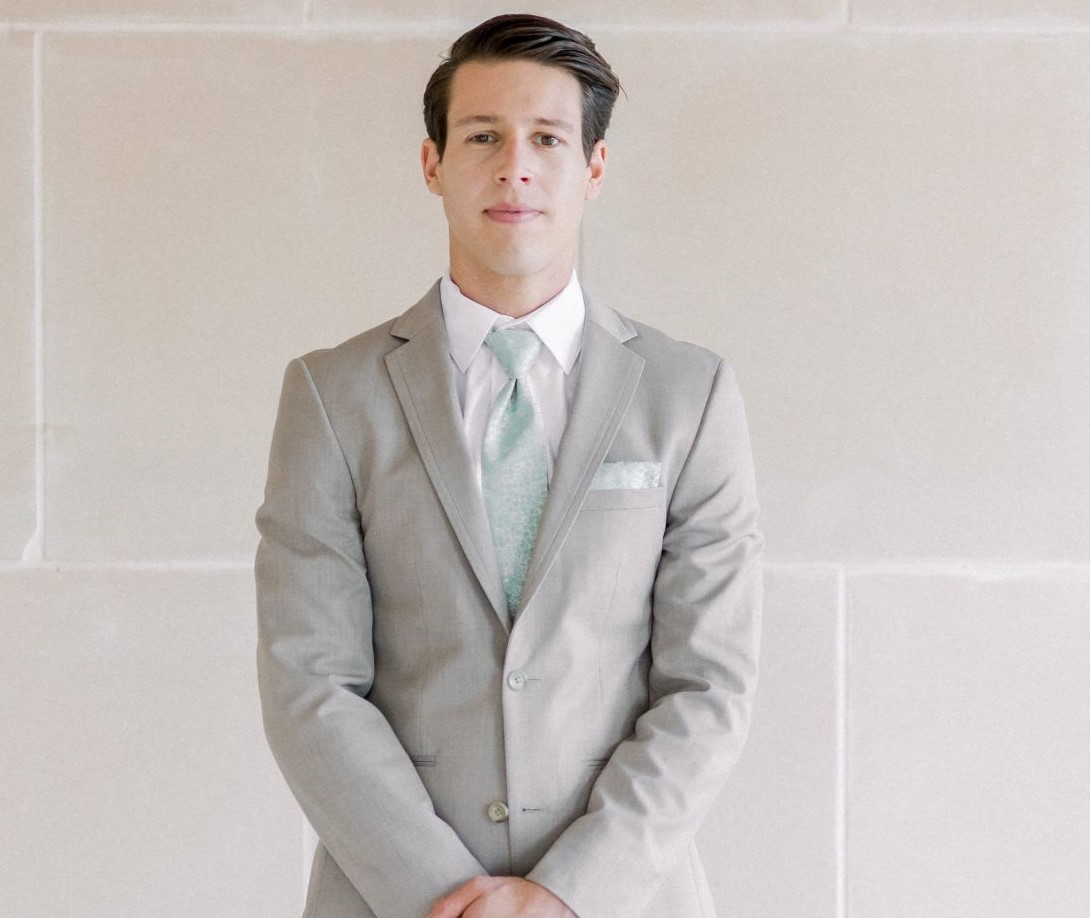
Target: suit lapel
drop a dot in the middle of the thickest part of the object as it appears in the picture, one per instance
(608, 374)
(424, 382)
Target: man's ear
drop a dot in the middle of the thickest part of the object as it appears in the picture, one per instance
(596, 170)
(430, 163)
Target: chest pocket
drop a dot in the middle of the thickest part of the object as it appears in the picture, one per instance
(624, 498)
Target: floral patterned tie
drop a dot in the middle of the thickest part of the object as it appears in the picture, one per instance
(514, 464)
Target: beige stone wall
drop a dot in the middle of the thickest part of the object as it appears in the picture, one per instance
(878, 209)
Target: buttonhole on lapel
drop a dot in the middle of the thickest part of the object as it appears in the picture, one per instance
(422, 761)
(597, 763)
(534, 809)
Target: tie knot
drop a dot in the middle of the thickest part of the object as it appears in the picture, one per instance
(515, 349)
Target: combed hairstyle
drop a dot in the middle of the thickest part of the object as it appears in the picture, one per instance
(521, 36)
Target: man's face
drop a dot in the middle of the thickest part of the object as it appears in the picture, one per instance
(513, 177)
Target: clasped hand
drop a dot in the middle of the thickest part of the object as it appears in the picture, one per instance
(500, 897)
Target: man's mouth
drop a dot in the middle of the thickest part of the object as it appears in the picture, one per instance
(512, 213)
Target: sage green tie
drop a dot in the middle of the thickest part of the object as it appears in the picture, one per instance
(514, 470)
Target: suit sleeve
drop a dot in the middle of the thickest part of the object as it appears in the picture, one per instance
(658, 786)
(343, 762)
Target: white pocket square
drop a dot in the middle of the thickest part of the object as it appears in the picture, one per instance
(613, 475)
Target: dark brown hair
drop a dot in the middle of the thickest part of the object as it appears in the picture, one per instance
(532, 38)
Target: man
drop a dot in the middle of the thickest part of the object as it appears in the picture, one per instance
(508, 581)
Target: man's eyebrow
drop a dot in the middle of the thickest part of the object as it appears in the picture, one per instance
(495, 119)
(475, 119)
(556, 122)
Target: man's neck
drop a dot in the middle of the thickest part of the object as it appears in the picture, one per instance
(511, 296)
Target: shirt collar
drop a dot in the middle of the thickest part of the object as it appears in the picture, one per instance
(558, 323)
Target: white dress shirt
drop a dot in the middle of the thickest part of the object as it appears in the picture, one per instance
(479, 376)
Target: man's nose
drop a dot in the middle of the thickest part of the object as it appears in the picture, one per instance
(514, 166)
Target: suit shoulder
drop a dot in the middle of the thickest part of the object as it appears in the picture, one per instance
(670, 359)
(359, 354)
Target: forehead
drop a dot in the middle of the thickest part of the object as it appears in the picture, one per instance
(514, 89)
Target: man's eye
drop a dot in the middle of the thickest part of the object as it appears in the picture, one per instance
(549, 140)
(480, 138)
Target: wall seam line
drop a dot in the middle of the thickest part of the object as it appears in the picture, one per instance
(842, 675)
(310, 844)
(841, 570)
(984, 29)
(974, 568)
(61, 567)
(971, 568)
(305, 27)
(296, 29)
(34, 550)
(308, 859)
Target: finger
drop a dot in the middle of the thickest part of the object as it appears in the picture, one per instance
(453, 904)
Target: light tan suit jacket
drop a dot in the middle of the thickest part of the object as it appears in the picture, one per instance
(401, 701)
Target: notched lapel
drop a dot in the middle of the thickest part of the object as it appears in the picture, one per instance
(424, 382)
(608, 375)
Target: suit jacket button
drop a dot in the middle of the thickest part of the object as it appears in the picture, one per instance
(498, 811)
(516, 679)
